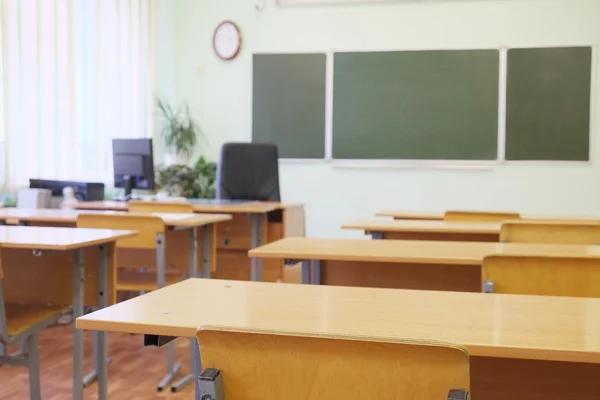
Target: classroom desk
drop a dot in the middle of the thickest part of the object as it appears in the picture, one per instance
(177, 254)
(522, 347)
(412, 215)
(428, 230)
(439, 216)
(252, 224)
(181, 255)
(402, 264)
(63, 266)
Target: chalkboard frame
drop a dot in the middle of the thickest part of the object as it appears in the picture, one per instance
(481, 165)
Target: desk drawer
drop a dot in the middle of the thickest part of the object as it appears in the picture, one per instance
(235, 234)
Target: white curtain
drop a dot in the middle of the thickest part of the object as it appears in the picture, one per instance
(75, 74)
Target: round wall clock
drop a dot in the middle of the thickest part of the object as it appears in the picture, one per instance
(227, 40)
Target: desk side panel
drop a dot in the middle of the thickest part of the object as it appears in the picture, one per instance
(49, 278)
(461, 278)
(504, 378)
(442, 236)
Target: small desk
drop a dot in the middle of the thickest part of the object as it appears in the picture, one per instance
(180, 251)
(428, 230)
(439, 216)
(63, 266)
(177, 255)
(412, 215)
(252, 224)
(522, 347)
(402, 264)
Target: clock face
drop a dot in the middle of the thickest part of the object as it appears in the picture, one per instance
(227, 40)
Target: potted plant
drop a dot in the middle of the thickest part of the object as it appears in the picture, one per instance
(181, 180)
(206, 176)
(179, 131)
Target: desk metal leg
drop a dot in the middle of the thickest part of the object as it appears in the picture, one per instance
(206, 254)
(92, 376)
(102, 350)
(33, 359)
(172, 368)
(193, 376)
(78, 277)
(377, 235)
(197, 367)
(306, 272)
(257, 234)
(315, 272)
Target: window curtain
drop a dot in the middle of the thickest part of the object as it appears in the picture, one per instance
(75, 74)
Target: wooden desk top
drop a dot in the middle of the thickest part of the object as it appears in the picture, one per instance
(250, 207)
(386, 225)
(492, 325)
(439, 216)
(70, 216)
(47, 238)
(409, 251)
(419, 215)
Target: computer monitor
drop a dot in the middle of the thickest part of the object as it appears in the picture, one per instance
(133, 164)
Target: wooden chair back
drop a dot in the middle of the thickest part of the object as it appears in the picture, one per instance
(147, 226)
(312, 368)
(542, 275)
(480, 216)
(160, 207)
(551, 232)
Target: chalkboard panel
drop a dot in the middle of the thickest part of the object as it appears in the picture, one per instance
(289, 103)
(548, 104)
(416, 105)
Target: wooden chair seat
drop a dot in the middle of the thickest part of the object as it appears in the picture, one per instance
(21, 317)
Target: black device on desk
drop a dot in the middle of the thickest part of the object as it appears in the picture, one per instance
(84, 191)
(133, 165)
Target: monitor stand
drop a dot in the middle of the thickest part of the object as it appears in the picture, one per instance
(129, 182)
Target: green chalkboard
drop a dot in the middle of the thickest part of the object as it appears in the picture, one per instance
(416, 105)
(288, 106)
(548, 104)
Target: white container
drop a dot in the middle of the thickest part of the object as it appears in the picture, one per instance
(33, 198)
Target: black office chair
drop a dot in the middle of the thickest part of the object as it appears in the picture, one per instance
(248, 171)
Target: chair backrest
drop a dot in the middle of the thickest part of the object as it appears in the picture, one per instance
(480, 216)
(551, 232)
(248, 171)
(301, 368)
(160, 207)
(542, 275)
(147, 227)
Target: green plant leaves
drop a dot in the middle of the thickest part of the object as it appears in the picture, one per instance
(179, 130)
(181, 180)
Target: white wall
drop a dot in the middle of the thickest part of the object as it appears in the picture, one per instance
(219, 93)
